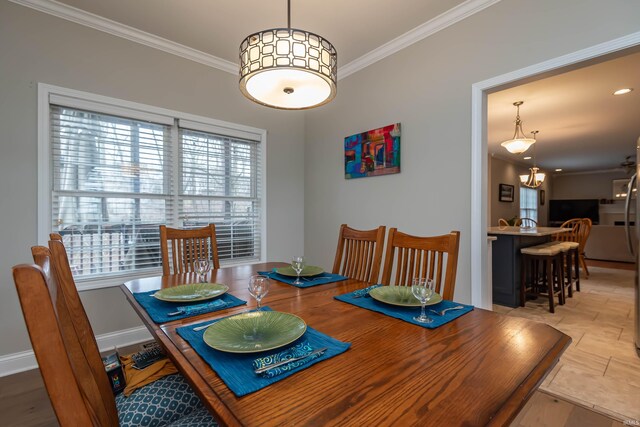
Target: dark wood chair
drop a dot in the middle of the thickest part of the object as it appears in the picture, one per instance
(186, 246)
(413, 256)
(359, 253)
(51, 281)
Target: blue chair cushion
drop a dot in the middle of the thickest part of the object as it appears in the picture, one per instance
(198, 418)
(161, 403)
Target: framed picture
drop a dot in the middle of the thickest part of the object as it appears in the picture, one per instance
(505, 193)
(372, 153)
(541, 197)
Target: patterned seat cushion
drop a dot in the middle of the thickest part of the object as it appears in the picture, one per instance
(161, 403)
(198, 418)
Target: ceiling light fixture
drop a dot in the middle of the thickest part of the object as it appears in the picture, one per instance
(559, 170)
(288, 68)
(519, 143)
(623, 91)
(535, 178)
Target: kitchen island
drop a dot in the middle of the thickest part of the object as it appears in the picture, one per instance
(506, 258)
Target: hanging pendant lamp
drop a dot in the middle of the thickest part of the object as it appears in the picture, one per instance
(288, 68)
(519, 143)
(535, 178)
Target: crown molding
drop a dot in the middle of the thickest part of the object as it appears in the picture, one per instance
(422, 31)
(108, 26)
(100, 23)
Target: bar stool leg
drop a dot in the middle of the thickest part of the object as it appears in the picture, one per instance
(523, 280)
(548, 262)
(576, 259)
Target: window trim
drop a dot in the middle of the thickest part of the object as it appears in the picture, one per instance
(108, 105)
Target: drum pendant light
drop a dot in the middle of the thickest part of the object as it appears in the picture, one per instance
(288, 68)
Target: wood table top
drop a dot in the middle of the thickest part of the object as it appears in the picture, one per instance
(521, 231)
(478, 369)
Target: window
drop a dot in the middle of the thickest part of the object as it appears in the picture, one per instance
(117, 170)
(529, 203)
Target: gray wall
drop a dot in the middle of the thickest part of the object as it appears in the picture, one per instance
(35, 47)
(596, 185)
(504, 172)
(427, 87)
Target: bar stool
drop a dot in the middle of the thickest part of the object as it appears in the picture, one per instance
(572, 262)
(549, 282)
(569, 250)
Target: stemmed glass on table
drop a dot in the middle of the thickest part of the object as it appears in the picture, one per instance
(202, 267)
(298, 263)
(423, 289)
(259, 287)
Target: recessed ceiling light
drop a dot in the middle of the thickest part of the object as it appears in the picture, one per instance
(527, 158)
(623, 91)
(559, 170)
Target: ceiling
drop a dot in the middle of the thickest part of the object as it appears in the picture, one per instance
(216, 27)
(583, 127)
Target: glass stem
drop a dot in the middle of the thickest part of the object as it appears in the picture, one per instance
(422, 313)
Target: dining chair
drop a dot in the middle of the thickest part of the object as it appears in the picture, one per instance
(412, 256)
(580, 230)
(528, 223)
(503, 222)
(186, 246)
(359, 253)
(51, 279)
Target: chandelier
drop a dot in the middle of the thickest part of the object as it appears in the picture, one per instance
(288, 68)
(535, 178)
(519, 143)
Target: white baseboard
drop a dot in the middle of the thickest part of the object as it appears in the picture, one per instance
(26, 360)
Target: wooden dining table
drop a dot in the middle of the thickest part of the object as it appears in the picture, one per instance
(479, 369)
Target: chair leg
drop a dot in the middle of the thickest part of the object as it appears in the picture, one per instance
(577, 269)
(566, 264)
(584, 266)
(550, 284)
(523, 280)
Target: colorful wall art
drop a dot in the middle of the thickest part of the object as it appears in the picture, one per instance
(372, 153)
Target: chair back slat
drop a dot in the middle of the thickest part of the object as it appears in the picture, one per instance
(359, 253)
(180, 248)
(48, 345)
(412, 256)
(77, 333)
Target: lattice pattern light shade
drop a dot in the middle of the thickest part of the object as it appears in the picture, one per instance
(288, 68)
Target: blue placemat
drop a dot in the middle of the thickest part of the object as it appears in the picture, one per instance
(307, 282)
(406, 313)
(159, 310)
(236, 369)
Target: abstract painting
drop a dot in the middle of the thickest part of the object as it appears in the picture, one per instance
(372, 153)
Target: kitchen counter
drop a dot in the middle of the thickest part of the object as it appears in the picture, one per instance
(506, 266)
(519, 231)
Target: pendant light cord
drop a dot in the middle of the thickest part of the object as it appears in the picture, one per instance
(289, 14)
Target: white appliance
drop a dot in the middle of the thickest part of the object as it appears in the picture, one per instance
(636, 298)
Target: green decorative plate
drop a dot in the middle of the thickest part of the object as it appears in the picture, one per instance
(400, 295)
(254, 331)
(309, 270)
(191, 292)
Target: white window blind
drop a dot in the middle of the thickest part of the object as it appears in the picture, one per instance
(529, 203)
(220, 184)
(114, 180)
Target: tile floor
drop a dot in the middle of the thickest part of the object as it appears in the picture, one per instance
(600, 369)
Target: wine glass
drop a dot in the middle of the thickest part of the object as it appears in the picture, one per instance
(259, 287)
(202, 267)
(298, 263)
(423, 289)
